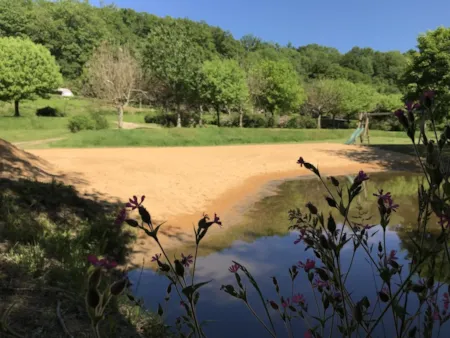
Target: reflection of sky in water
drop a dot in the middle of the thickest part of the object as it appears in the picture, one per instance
(265, 257)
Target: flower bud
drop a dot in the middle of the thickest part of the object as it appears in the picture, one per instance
(93, 298)
(95, 278)
(179, 268)
(118, 287)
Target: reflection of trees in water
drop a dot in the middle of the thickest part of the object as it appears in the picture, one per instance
(442, 267)
(269, 216)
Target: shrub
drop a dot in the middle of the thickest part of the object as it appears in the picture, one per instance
(81, 122)
(188, 119)
(389, 124)
(100, 121)
(254, 121)
(50, 112)
(301, 122)
(283, 120)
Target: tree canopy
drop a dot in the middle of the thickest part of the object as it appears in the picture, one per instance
(27, 70)
(225, 85)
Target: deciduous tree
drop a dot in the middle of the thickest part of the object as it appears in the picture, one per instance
(27, 70)
(278, 87)
(225, 86)
(113, 74)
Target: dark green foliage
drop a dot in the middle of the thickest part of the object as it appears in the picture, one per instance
(169, 119)
(93, 121)
(50, 112)
(100, 121)
(80, 122)
(301, 122)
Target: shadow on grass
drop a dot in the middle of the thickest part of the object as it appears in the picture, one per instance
(46, 232)
(391, 157)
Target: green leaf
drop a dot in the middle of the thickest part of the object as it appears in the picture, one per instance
(132, 223)
(189, 290)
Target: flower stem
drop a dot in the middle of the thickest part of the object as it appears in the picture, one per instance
(259, 319)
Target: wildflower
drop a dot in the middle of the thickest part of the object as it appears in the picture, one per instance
(121, 217)
(361, 177)
(337, 296)
(308, 265)
(392, 255)
(156, 257)
(312, 208)
(134, 204)
(217, 220)
(234, 268)
(285, 303)
(301, 161)
(399, 113)
(186, 260)
(273, 305)
(107, 264)
(368, 227)
(387, 200)
(444, 221)
(300, 237)
(429, 94)
(298, 299)
(308, 334)
(318, 283)
(384, 295)
(436, 315)
(182, 303)
(446, 301)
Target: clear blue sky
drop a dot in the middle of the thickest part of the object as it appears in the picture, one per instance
(380, 24)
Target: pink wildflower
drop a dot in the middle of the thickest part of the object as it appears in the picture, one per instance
(300, 237)
(121, 217)
(361, 177)
(286, 303)
(308, 334)
(301, 161)
(298, 299)
(234, 268)
(308, 265)
(186, 260)
(217, 220)
(318, 283)
(446, 301)
(107, 264)
(156, 257)
(392, 255)
(399, 113)
(134, 204)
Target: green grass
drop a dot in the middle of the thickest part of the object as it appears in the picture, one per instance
(29, 127)
(47, 232)
(212, 136)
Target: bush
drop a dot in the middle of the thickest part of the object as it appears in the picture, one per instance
(81, 122)
(386, 124)
(254, 121)
(50, 112)
(301, 122)
(100, 121)
(188, 119)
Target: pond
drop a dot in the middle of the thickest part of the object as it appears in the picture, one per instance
(262, 242)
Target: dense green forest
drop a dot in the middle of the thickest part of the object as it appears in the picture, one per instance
(181, 65)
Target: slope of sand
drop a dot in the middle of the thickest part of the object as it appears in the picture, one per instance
(188, 180)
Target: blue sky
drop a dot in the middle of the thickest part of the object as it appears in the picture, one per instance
(380, 24)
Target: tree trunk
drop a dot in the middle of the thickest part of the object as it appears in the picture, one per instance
(241, 117)
(120, 116)
(333, 121)
(200, 120)
(218, 116)
(319, 121)
(16, 108)
(178, 116)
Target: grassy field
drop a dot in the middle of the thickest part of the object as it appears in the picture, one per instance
(30, 127)
(211, 136)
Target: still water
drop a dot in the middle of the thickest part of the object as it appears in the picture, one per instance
(262, 242)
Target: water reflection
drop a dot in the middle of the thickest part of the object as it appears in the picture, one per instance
(263, 244)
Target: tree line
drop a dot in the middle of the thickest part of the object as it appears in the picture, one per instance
(178, 64)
